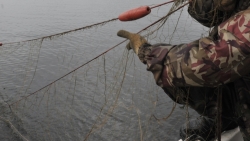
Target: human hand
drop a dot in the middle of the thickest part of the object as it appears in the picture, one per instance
(136, 41)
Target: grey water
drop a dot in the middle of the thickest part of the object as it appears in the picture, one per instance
(27, 67)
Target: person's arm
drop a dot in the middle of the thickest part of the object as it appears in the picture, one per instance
(204, 62)
(211, 12)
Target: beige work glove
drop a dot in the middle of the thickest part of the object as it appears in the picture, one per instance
(136, 41)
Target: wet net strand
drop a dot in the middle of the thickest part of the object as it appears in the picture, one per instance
(105, 94)
(99, 54)
(64, 33)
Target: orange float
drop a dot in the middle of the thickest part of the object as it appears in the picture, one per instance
(135, 13)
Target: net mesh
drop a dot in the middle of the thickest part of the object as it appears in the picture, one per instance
(111, 98)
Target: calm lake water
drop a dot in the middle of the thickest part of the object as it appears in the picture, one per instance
(112, 98)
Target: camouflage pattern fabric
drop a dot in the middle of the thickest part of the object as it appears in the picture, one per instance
(204, 62)
(207, 63)
(242, 87)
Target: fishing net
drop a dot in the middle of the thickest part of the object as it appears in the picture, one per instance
(71, 87)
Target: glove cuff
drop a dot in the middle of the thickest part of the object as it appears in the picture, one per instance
(144, 50)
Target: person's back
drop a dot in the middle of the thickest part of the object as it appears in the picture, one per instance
(211, 13)
(203, 71)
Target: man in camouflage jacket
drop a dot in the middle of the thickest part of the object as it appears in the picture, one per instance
(197, 72)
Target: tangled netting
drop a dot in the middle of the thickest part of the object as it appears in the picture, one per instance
(69, 87)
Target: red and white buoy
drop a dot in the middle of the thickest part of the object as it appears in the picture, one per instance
(1, 44)
(135, 13)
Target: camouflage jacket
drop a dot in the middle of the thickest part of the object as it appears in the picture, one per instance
(208, 62)
(204, 62)
(213, 12)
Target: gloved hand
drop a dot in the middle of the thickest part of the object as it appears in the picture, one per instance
(136, 41)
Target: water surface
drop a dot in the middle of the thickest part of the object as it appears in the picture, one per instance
(110, 98)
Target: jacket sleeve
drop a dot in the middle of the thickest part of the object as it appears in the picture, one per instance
(211, 12)
(204, 62)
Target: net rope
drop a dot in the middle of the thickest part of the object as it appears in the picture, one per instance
(89, 102)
